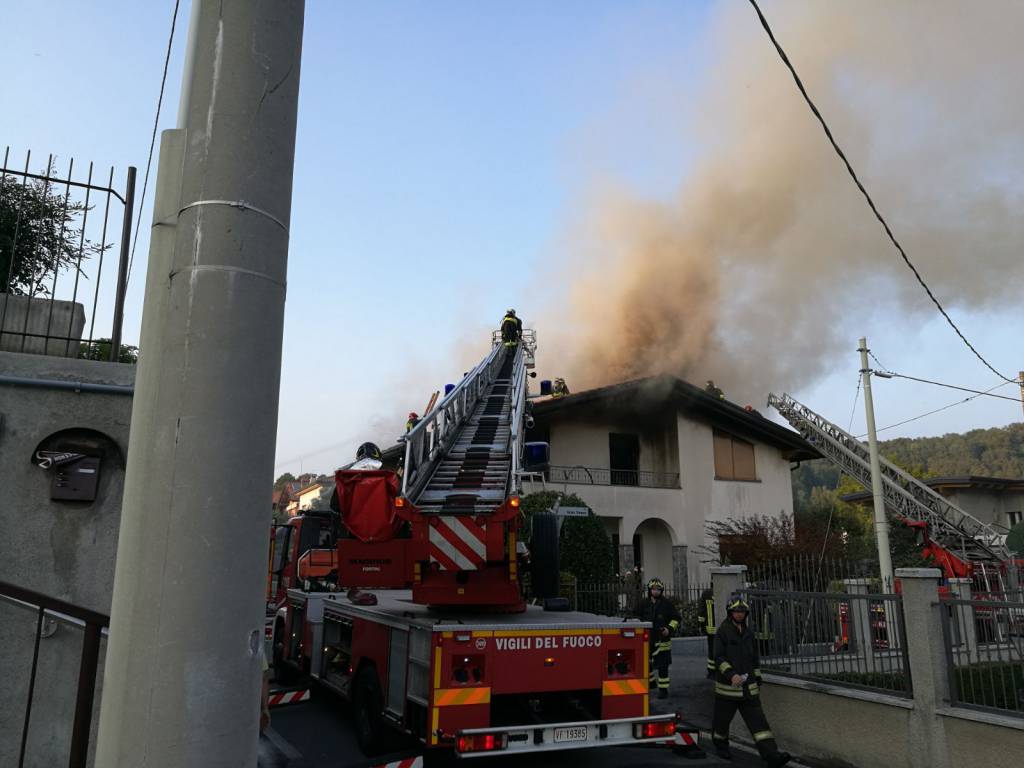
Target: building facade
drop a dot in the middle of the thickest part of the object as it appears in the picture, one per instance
(657, 459)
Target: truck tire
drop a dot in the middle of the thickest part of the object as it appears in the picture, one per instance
(544, 567)
(368, 711)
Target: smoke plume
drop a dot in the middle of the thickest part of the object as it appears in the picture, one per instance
(767, 263)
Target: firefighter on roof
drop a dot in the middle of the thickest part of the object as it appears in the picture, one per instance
(412, 421)
(665, 620)
(737, 686)
(559, 389)
(511, 328)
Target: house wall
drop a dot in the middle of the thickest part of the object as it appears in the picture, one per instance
(673, 444)
(987, 506)
(61, 549)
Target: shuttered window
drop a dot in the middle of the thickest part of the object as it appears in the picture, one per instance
(734, 458)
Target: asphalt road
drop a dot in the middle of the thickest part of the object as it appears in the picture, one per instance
(319, 734)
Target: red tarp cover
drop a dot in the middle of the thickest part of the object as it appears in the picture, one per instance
(366, 501)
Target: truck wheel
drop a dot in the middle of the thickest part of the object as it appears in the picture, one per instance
(544, 573)
(367, 711)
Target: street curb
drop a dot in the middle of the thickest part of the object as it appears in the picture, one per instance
(742, 745)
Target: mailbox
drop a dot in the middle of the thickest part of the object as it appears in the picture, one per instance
(75, 481)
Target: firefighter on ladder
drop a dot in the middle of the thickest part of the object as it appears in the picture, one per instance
(664, 618)
(511, 328)
(737, 686)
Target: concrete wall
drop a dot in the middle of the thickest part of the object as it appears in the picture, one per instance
(988, 506)
(62, 549)
(57, 318)
(584, 441)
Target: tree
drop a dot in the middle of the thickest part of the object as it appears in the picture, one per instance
(100, 350)
(283, 480)
(39, 232)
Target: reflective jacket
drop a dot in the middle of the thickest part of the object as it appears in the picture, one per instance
(736, 654)
(662, 614)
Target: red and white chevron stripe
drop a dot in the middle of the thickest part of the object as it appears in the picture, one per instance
(287, 697)
(409, 762)
(457, 543)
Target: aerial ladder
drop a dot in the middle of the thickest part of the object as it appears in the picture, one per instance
(963, 545)
(448, 528)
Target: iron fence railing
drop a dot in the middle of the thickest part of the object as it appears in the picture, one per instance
(624, 599)
(809, 573)
(580, 475)
(984, 642)
(59, 295)
(94, 625)
(849, 640)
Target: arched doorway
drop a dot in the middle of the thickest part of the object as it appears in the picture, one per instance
(652, 549)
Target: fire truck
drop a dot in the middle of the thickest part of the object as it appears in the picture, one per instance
(414, 612)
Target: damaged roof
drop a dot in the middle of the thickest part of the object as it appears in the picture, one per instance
(652, 394)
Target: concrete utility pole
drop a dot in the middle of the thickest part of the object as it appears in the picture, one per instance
(881, 523)
(1020, 378)
(182, 670)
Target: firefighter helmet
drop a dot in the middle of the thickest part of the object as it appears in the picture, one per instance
(367, 451)
(738, 604)
(511, 312)
(655, 583)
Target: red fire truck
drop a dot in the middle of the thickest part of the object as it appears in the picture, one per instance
(422, 623)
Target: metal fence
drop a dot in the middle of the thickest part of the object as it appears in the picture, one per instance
(59, 293)
(50, 615)
(849, 640)
(984, 642)
(624, 599)
(580, 475)
(809, 573)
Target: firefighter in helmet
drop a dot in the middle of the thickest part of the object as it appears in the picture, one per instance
(737, 685)
(664, 618)
(368, 457)
(511, 329)
(559, 388)
(412, 421)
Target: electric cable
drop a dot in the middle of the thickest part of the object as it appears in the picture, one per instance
(867, 197)
(938, 410)
(152, 139)
(977, 392)
(853, 411)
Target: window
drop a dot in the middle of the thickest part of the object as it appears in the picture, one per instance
(624, 456)
(1013, 518)
(734, 458)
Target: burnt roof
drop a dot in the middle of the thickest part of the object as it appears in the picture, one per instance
(653, 393)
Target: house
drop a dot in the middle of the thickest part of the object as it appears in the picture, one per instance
(998, 501)
(316, 495)
(658, 458)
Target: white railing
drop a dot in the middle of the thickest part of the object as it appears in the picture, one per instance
(430, 439)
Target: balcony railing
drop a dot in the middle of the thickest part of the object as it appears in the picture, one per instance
(579, 475)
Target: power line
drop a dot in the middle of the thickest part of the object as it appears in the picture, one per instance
(976, 392)
(853, 411)
(867, 197)
(152, 139)
(939, 410)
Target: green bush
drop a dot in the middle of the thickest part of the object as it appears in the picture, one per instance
(584, 547)
(992, 685)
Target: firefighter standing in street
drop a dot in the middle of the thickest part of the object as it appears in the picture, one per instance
(737, 686)
(511, 328)
(664, 618)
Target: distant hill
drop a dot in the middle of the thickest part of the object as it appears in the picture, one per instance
(996, 452)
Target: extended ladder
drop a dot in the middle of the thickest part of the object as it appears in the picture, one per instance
(464, 456)
(906, 497)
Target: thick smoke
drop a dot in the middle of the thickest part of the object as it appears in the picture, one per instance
(767, 264)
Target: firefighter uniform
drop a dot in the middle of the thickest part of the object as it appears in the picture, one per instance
(662, 614)
(511, 328)
(736, 654)
(707, 619)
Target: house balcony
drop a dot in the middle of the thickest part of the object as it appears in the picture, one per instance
(580, 475)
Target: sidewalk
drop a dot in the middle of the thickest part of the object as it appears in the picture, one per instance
(691, 693)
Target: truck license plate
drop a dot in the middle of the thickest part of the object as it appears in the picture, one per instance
(578, 733)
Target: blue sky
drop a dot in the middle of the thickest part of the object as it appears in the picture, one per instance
(443, 152)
